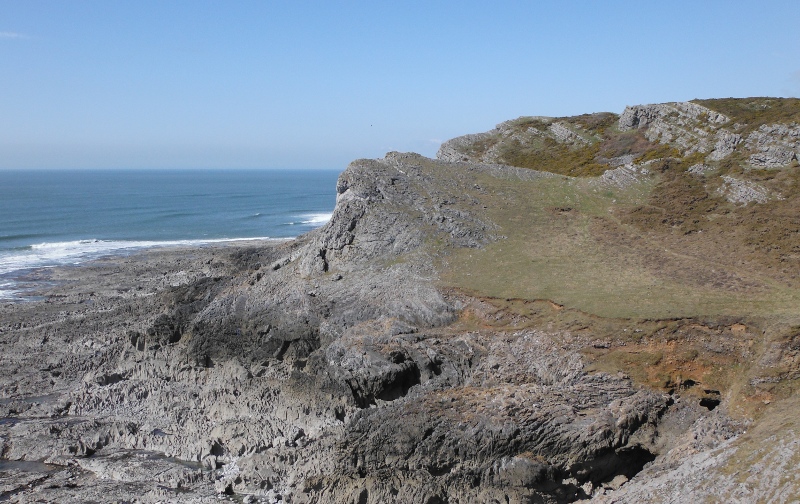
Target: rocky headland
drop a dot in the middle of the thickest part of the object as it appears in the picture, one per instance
(600, 307)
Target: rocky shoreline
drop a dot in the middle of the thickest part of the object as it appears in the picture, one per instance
(70, 310)
(280, 372)
(344, 367)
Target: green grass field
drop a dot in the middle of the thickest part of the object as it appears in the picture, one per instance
(567, 241)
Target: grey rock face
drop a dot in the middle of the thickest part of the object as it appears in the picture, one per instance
(726, 144)
(309, 371)
(563, 134)
(775, 145)
(643, 115)
(489, 422)
(743, 191)
(685, 125)
(694, 128)
(453, 150)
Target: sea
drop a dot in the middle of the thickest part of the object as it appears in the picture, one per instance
(65, 217)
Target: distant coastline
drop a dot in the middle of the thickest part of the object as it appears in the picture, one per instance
(65, 217)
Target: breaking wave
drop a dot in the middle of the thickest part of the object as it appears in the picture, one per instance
(49, 254)
(312, 219)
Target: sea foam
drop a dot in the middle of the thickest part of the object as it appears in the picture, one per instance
(49, 254)
(313, 219)
(129, 210)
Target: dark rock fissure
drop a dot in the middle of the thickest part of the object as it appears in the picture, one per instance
(709, 403)
(627, 461)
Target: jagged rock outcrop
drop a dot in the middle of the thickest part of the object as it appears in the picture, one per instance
(774, 145)
(695, 128)
(453, 150)
(315, 369)
(688, 126)
(490, 434)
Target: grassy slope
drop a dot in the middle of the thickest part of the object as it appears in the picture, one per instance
(647, 265)
(754, 112)
(666, 247)
(576, 245)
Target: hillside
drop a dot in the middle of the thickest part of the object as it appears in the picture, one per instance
(595, 307)
(683, 253)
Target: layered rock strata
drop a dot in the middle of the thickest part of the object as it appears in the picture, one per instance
(319, 370)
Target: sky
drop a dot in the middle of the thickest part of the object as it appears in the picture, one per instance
(268, 84)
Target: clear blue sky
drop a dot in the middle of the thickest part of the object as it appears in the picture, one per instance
(300, 84)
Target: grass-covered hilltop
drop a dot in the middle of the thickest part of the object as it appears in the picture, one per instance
(600, 307)
(671, 217)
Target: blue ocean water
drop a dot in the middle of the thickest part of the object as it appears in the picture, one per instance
(54, 217)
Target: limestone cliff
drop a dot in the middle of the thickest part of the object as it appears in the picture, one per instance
(462, 330)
